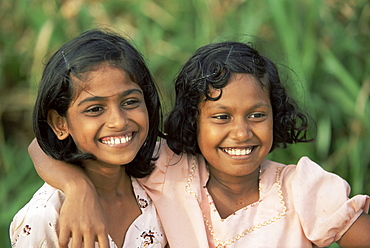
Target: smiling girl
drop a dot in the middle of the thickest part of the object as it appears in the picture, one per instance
(233, 111)
(98, 108)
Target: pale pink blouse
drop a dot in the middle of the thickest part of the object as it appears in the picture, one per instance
(300, 205)
(37, 223)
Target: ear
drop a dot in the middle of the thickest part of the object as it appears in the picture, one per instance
(59, 124)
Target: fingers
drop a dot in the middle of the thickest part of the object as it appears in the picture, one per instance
(103, 241)
(64, 238)
(77, 240)
(83, 219)
(88, 241)
(85, 238)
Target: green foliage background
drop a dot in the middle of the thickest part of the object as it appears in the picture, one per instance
(325, 43)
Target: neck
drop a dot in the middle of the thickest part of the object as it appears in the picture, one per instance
(234, 185)
(233, 193)
(109, 181)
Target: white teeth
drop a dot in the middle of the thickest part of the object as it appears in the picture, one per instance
(237, 152)
(126, 139)
(116, 141)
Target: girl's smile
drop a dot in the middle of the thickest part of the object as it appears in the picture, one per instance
(235, 133)
(117, 140)
(237, 151)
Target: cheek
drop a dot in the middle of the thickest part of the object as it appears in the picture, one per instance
(141, 118)
(200, 136)
(207, 136)
(89, 128)
(144, 118)
(80, 138)
(201, 130)
(267, 133)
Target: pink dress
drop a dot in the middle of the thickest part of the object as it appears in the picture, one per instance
(300, 205)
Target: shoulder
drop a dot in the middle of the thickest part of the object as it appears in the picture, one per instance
(47, 201)
(305, 164)
(307, 173)
(170, 169)
(168, 160)
(305, 181)
(167, 156)
(38, 218)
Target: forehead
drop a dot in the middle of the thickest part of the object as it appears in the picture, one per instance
(241, 90)
(104, 80)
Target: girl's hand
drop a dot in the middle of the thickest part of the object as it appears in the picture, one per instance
(82, 218)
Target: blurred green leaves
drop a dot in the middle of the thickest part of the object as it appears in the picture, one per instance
(321, 45)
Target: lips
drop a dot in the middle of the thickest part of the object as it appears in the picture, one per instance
(238, 151)
(117, 140)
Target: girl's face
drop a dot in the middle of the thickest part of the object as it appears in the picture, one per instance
(235, 133)
(108, 118)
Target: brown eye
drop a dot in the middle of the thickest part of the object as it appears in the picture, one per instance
(131, 103)
(257, 115)
(94, 109)
(221, 117)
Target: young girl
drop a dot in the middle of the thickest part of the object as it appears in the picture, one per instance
(214, 187)
(97, 107)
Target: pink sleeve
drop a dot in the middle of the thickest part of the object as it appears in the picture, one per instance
(321, 201)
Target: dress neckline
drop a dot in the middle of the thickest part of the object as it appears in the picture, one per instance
(191, 188)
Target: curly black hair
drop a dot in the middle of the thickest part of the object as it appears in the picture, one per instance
(56, 91)
(210, 68)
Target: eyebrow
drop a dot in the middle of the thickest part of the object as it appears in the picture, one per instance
(104, 98)
(257, 105)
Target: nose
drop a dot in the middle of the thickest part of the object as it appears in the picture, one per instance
(241, 131)
(117, 119)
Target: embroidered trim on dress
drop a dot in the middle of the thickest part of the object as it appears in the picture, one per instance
(220, 243)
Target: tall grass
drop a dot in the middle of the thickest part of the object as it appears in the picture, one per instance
(321, 45)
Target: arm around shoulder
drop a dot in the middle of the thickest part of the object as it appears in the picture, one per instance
(57, 173)
(81, 214)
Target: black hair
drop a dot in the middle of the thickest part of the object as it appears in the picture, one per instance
(56, 91)
(210, 67)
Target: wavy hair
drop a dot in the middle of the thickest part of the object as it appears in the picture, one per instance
(210, 68)
(56, 91)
